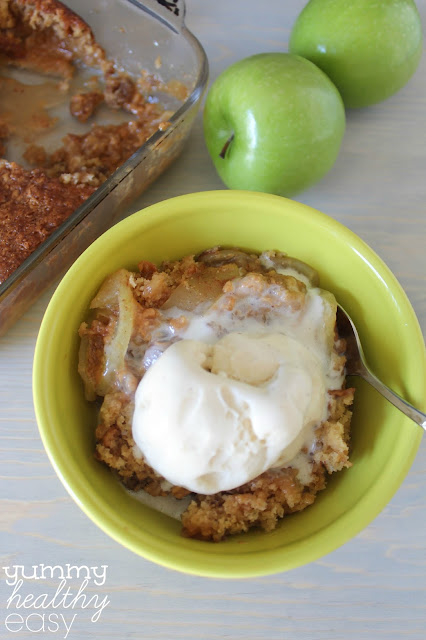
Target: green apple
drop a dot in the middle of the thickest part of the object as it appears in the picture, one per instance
(368, 48)
(273, 122)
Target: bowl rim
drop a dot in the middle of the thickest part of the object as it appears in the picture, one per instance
(362, 512)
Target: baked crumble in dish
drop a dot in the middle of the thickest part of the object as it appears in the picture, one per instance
(46, 37)
(136, 317)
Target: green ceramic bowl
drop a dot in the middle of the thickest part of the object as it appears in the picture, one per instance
(384, 441)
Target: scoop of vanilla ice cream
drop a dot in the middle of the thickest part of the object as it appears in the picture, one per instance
(213, 417)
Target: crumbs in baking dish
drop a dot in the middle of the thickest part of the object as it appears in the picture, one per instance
(46, 37)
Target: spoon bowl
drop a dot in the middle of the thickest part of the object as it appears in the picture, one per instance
(356, 365)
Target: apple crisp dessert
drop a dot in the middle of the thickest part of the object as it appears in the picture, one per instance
(46, 37)
(263, 327)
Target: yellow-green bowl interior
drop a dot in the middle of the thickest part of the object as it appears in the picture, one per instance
(384, 441)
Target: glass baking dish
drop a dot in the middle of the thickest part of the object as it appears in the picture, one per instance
(149, 35)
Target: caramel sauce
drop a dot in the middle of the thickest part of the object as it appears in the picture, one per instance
(24, 107)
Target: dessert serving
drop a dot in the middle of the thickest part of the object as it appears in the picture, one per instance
(381, 449)
(221, 385)
(37, 195)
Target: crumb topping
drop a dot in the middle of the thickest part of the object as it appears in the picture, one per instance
(138, 300)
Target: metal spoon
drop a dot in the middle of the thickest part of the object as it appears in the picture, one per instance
(356, 366)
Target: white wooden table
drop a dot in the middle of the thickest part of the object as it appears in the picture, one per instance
(372, 587)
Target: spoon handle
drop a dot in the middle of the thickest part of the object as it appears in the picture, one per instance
(418, 416)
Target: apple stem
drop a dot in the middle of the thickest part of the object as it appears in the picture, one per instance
(225, 146)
